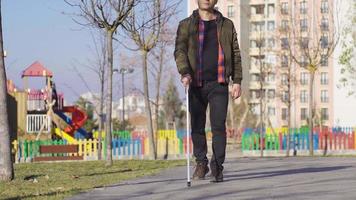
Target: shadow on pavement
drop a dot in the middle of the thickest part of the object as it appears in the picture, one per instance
(233, 177)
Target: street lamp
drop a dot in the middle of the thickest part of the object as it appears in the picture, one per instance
(123, 71)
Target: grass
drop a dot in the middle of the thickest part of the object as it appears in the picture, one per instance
(60, 180)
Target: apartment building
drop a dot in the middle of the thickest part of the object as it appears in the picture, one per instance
(266, 43)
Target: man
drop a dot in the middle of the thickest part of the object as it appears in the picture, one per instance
(208, 58)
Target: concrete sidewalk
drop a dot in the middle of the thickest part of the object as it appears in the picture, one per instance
(247, 178)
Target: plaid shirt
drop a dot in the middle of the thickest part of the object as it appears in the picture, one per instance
(221, 64)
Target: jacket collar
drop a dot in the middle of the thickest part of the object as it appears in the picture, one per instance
(195, 16)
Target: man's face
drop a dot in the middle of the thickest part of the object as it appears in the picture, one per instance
(206, 4)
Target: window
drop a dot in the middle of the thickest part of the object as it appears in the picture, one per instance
(324, 114)
(284, 61)
(284, 43)
(304, 43)
(324, 96)
(285, 96)
(303, 96)
(303, 24)
(284, 80)
(303, 113)
(324, 41)
(270, 43)
(230, 11)
(257, 10)
(270, 9)
(270, 77)
(257, 43)
(284, 113)
(271, 94)
(324, 6)
(324, 24)
(257, 26)
(271, 111)
(304, 78)
(284, 25)
(270, 25)
(284, 8)
(303, 7)
(254, 94)
(324, 61)
(254, 60)
(324, 78)
(303, 61)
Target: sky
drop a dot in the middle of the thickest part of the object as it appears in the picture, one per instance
(39, 30)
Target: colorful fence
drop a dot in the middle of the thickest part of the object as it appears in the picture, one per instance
(327, 138)
(124, 146)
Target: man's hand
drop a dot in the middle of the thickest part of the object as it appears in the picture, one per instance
(236, 91)
(186, 79)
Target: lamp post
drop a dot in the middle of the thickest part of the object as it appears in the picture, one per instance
(123, 71)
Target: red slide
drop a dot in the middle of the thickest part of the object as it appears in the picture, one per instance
(78, 118)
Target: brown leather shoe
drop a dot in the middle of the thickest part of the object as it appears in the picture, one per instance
(216, 174)
(216, 177)
(201, 169)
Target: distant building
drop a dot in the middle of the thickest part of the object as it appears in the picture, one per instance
(134, 107)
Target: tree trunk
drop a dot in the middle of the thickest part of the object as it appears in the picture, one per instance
(152, 151)
(311, 112)
(261, 105)
(289, 111)
(261, 121)
(101, 111)
(158, 86)
(108, 118)
(6, 165)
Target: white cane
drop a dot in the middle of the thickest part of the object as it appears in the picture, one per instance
(188, 134)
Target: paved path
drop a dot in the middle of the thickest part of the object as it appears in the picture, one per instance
(247, 178)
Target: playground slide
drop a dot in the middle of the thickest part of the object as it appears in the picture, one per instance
(78, 119)
(66, 136)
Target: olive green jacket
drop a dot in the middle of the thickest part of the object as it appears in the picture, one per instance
(187, 45)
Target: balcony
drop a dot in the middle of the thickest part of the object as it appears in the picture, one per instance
(257, 17)
(256, 51)
(254, 85)
(257, 2)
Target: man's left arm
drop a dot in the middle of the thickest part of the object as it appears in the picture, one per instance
(236, 66)
(236, 56)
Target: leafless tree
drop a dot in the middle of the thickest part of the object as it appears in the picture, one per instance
(309, 45)
(97, 64)
(264, 71)
(144, 26)
(107, 15)
(158, 67)
(6, 165)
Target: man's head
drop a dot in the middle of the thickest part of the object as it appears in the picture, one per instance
(207, 4)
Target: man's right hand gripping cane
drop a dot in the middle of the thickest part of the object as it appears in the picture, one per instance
(186, 80)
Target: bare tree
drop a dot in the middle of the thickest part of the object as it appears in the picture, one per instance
(264, 71)
(6, 165)
(108, 15)
(161, 56)
(144, 27)
(309, 45)
(98, 65)
(347, 58)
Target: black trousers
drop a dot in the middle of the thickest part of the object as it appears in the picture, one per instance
(216, 95)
